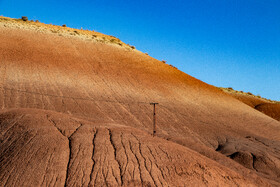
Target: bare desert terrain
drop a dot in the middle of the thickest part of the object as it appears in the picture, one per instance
(75, 111)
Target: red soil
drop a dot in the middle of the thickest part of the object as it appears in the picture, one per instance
(267, 107)
(67, 150)
(110, 87)
(249, 100)
(270, 109)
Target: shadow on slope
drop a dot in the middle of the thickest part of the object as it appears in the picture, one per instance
(43, 148)
(270, 109)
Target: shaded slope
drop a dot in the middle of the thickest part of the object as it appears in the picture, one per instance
(51, 149)
(249, 100)
(270, 109)
(107, 83)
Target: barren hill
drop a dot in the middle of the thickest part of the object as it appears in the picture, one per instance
(268, 107)
(207, 136)
(66, 150)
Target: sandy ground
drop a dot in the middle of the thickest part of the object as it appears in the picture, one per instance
(110, 87)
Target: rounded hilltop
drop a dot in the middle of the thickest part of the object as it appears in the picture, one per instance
(63, 30)
(75, 111)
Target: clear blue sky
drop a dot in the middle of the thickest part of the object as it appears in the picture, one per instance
(228, 43)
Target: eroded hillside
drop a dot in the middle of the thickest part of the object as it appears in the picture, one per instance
(107, 84)
(266, 106)
(62, 150)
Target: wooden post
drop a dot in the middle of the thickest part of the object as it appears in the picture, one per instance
(154, 118)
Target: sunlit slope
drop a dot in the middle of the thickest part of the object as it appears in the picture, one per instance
(107, 83)
(88, 78)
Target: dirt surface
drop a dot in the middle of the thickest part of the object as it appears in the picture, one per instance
(62, 150)
(268, 107)
(249, 100)
(109, 87)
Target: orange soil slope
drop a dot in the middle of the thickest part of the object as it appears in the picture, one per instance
(106, 83)
(268, 107)
(62, 150)
(249, 100)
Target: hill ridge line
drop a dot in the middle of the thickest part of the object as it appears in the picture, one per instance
(86, 35)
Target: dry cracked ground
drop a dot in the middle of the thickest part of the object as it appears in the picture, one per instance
(75, 112)
(68, 151)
